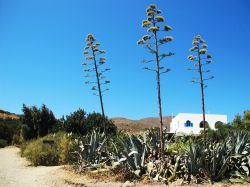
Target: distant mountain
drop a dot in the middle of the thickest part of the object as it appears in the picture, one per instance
(136, 126)
(128, 125)
(8, 115)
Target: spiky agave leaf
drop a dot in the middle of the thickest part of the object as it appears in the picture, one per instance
(89, 150)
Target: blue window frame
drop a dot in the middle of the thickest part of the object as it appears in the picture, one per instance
(188, 124)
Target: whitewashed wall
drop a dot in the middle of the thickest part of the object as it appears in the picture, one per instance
(177, 124)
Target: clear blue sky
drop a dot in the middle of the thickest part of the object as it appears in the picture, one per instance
(41, 44)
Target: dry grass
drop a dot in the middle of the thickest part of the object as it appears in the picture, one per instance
(105, 178)
(8, 115)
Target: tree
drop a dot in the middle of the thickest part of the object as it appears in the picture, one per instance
(242, 123)
(76, 122)
(200, 59)
(37, 122)
(246, 119)
(152, 41)
(237, 121)
(81, 124)
(47, 121)
(92, 50)
(96, 121)
(9, 128)
(28, 130)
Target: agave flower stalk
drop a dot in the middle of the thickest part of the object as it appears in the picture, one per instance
(93, 53)
(200, 59)
(152, 41)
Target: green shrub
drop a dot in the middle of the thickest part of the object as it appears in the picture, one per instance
(221, 133)
(65, 147)
(16, 140)
(3, 143)
(179, 147)
(26, 132)
(39, 121)
(96, 121)
(8, 128)
(40, 153)
(80, 123)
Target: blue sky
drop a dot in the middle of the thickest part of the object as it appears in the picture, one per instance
(41, 44)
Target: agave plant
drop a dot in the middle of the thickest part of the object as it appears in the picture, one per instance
(209, 161)
(217, 160)
(168, 170)
(239, 141)
(153, 142)
(195, 154)
(90, 151)
(240, 161)
(133, 154)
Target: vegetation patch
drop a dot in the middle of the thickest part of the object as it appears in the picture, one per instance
(3, 143)
(8, 129)
(41, 153)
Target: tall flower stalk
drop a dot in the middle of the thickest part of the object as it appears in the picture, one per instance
(94, 69)
(153, 41)
(201, 59)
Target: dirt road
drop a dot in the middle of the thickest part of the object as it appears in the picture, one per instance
(15, 171)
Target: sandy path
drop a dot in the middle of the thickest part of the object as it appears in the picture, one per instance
(15, 172)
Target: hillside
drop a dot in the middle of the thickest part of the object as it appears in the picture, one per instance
(125, 124)
(136, 126)
(8, 115)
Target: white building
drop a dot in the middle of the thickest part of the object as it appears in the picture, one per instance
(185, 123)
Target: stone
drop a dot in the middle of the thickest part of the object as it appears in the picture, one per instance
(128, 184)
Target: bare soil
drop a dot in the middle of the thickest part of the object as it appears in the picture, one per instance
(16, 172)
